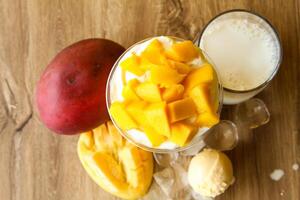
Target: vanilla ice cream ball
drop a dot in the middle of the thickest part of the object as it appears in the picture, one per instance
(210, 173)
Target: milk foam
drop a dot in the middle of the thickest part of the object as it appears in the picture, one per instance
(244, 53)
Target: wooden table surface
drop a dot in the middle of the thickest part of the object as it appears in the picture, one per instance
(38, 165)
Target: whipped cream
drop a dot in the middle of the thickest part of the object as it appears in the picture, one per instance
(117, 84)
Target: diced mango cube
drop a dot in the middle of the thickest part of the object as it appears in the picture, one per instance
(154, 53)
(181, 68)
(156, 114)
(149, 92)
(136, 110)
(145, 64)
(181, 133)
(204, 74)
(121, 117)
(207, 119)
(200, 95)
(182, 51)
(172, 93)
(155, 138)
(165, 75)
(181, 109)
(132, 64)
(128, 91)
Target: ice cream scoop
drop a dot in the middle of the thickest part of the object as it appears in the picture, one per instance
(210, 173)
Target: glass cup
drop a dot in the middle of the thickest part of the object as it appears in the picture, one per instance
(115, 74)
(232, 96)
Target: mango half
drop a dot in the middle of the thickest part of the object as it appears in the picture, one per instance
(116, 165)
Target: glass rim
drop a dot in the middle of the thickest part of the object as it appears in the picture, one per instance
(198, 39)
(126, 135)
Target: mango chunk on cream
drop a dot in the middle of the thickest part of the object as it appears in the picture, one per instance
(121, 116)
(181, 133)
(181, 109)
(204, 74)
(149, 92)
(172, 93)
(132, 64)
(183, 51)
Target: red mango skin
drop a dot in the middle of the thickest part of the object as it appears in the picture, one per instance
(70, 94)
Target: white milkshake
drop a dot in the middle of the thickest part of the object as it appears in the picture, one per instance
(245, 50)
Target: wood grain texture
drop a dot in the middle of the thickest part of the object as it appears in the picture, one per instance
(36, 164)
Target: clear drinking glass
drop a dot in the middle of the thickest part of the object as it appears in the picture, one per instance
(109, 89)
(232, 96)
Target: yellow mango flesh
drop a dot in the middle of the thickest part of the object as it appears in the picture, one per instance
(204, 74)
(128, 91)
(207, 119)
(181, 109)
(121, 117)
(149, 92)
(200, 95)
(110, 169)
(181, 68)
(156, 114)
(154, 53)
(164, 75)
(183, 51)
(207, 114)
(132, 64)
(119, 167)
(181, 133)
(154, 137)
(136, 109)
(172, 93)
(214, 94)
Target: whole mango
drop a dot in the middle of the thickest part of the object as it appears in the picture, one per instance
(70, 94)
(116, 165)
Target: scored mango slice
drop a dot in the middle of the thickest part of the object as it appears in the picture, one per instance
(117, 166)
(204, 74)
(183, 51)
(156, 114)
(132, 64)
(181, 109)
(164, 75)
(128, 91)
(181, 133)
(149, 92)
(121, 117)
(172, 93)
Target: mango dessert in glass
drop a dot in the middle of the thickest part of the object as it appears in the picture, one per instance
(163, 94)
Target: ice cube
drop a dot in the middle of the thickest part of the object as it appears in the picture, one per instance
(223, 136)
(165, 159)
(252, 113)
(165, 180)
